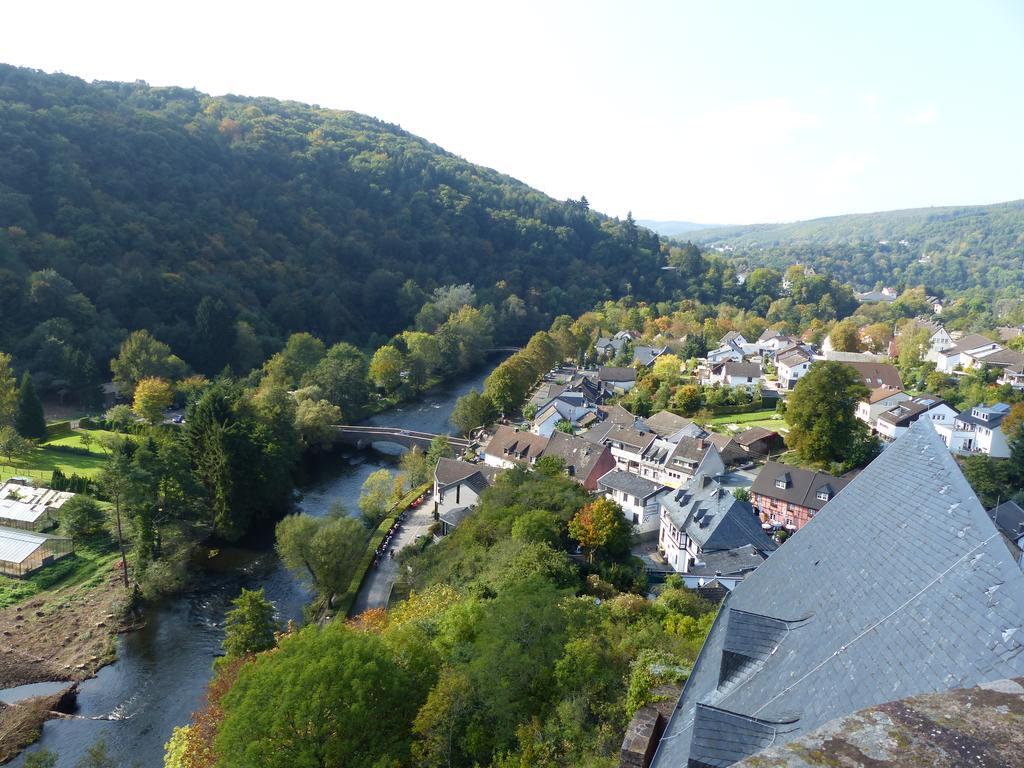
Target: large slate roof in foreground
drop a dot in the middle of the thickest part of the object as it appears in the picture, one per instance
(899, 586)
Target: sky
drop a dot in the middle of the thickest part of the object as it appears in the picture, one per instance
(719, 111)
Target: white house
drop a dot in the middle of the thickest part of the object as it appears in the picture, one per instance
(511, 447)
(572, 407)
(879, 400)
(730, 351)
(897, 420)
(457, 489)
(704, 518)
(733, 374)
(791, 365)
(638, 497)
(964, 353)
(978, 430)
(771, 341)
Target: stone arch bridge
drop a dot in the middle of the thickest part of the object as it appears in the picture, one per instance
(363, 436)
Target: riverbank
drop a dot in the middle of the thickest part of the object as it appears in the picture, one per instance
(22, 723)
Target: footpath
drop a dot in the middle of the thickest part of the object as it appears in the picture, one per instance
(381, 578)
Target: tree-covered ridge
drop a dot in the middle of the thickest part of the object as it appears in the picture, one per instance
(223, 224)
(951, 248)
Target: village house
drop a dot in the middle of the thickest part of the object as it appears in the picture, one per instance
(585, 462)
(572, 407)
(1013, 376)
(510, 447)
(457, 489)
(735, 337)
(899, 587)
(791, 365)
(30, 508)
(789, 497)
(731, 351)
(877, 375)
(644, 357)
(978, 430)
(704, 518)
(897, 420)
(610, 347)
(965, 353)
(617, 379)
(726, 568)
(771, 341)
(938, 338)
(666, 423)
(638, 497)
(879, 400)
(739, 375)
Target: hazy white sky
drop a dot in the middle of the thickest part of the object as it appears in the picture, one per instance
(711, 111)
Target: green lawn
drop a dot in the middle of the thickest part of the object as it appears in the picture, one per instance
(766, 418)
(88, 566)
(39, 464)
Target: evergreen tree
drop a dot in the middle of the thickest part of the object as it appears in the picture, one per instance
(28, 418)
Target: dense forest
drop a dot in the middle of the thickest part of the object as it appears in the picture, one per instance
(224, 224)
(945, 249)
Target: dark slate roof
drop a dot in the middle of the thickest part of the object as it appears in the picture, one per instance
(803, 486)
(451, 471)
(791, 357)
(616, 414)
(455, 516)
(948, 613)
(731, 562)
(580, 455)
(997, 414)
(666, 423)
(967, 343)
(770, 333)
(1009, 519)
(634, 485)
(877, 375)
(727, 447)
(646, 356)
(690, 450)
(714, 518)
(630, 436)
(908, 412)
(611, 373)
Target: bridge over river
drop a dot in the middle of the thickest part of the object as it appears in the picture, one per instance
(363, 436)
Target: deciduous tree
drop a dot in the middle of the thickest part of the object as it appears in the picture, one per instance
(249, 625)
(153, 396)
(821, 411)
(597, 525)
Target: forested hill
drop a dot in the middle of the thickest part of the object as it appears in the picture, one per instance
(124, 206)
(943, 248)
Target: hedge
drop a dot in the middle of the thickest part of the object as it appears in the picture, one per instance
(58, 429)
(730, 410)
(344, 604)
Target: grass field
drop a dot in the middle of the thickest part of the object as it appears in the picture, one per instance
(767, 419)
(39, 464)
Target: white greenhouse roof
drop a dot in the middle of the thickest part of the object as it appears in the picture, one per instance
(19, 510)
(16, 546)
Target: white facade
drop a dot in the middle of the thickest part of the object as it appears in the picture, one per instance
(973, 435)
(728, 352)
(939, 415)
(939, 341)
(789, 375)
(949, 360)
(868, 411)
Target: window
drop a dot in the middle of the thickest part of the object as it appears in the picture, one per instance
(780, 483)
(822, 495)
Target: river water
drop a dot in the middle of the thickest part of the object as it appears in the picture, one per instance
(162, 670)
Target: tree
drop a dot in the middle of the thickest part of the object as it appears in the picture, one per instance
(471, 411)
(504, 388)
(666, 369)
(82, 517)
(376, 496)
(249, 626)
(821, 411)
(597, 525)
(29, 419)
(912, 345)
(352, 707)
(564, 425)
(214, 337)
(120, 417)
(119, 483)
(342, 378)
(141, 356)
(538, 526)
(845, 336)
(13, 445)
(97, 756)
(301, 354)
(415, 466)
(153, 396)
(8, 390)
(322, 551)
(440, 448)
(386, 368)
(315, 421)
(441, 719)
(688, 398)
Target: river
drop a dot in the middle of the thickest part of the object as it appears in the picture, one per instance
(162, 670)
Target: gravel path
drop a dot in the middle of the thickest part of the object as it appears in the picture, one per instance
(376, 588)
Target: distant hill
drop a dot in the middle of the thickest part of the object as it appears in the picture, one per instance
(673, 228)
(124, 206)
(944, 248)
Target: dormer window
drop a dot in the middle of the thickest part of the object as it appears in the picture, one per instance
(823, 496)
(782, 481)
